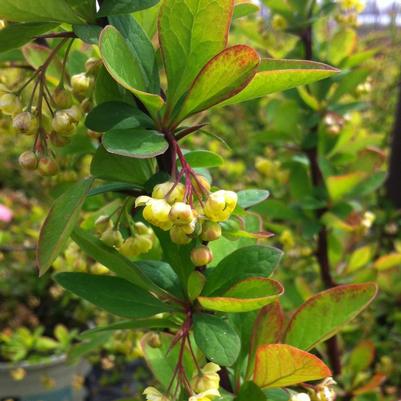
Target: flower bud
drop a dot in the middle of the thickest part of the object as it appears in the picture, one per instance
(142, 229)
(181, 213)
(75, 113)
(129, 248)
(164, 191)
(92, 65)
(47, 166)
(179, 236)
(102, 223)
(62, 98)
(112, 237)
(26, 123)
(153, 394)
(81, 84)
(10, 104)
(200, 184)
(28, 160)
(154, 340)
(220, 205)
(208, 379)
(211, 231)
(63, 124)
(207, 395)
(156, 211)
(201, 256)
(58, 140)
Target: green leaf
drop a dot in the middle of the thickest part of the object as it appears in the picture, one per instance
(78, 351)
(84, 8)
(279, 75)
(203, 158)
(341, 45)
(126, 69)
(59, 223)
(142, 49)
(107, 166)
(113, 260)
(361, 357)
(162, 361)
(250, 261)
(116, 115)
(281, 365)
(113, 294)
(341, 185)
(88, 33)
(217, 339)
(196, 282)
(251, 197)
(221, 78)
(244, 9)
(115, 7)
(114, 187)
(267, 329)
(191, 32)
(16, 35)
(323, 315)
(245, 296)
(137, 143)
(139, 324)
(250, 391)
(38, 11)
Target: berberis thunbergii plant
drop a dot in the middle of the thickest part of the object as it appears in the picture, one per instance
(219, 332)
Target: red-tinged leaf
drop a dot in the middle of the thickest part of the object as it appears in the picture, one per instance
(59, 223)
(191, 32)
(245, 296)
(323, 315)
(222, 77)
(281, 365)
(389, 261)
(376, 381)
(279, 75)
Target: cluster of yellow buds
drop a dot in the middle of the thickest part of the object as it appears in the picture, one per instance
(271, 169)
(356, 5)
(349, 11)
(141, 241)
(167, 209)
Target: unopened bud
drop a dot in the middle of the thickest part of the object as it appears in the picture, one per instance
(26, 123)
(211, 231)
(63, 124)
(112, 237)
(154, 340)
(81, 84)
(75, 113)
(47, 166)
(181, 213)
(102, 223)
(58, 140)
(201, 256)
(62, 98)
(170, 191)
(28, 160)
(92, 65)
(179, 236)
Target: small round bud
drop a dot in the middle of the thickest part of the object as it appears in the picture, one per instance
(129, 248)
(92, 65)
(28, 160)
(181, 213)
(75, 113)
(207, 379)
(102, 223)
(142, 229)
(211, 231)
(154, 340)
(156, 212)
(10, 104)
(170, 191)
(112, 237)
(62, 98)
(179, 236)
(81, 84)
(47, 166)
(26, 123)
(201, 256)
(63, 124)
(58, 140)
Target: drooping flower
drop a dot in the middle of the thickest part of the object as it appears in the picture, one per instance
(152, 394)
(208, 395)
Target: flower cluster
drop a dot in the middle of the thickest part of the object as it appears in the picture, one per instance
(140, 241)
(205, 385)
(167, 209)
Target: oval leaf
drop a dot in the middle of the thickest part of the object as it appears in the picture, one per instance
(200, 32)
(252, 197)
(203, 158)
(222, 77)
(279, 75)
(245, 296)
(323, 315)
(125, 68)
(59, 223)
(113, 294)
(116, 7)
(137, 143)
(217, 339)
(281, 365)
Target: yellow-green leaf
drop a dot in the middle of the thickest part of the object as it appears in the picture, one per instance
(340, 185)
(279, 75)
(281, 365)
(222, 77)
(388, 261)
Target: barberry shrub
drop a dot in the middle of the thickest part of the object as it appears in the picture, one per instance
(216, 328)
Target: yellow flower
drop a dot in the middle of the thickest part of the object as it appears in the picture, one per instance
(208, 395)
(220, 205)
(152, 394)
(181, 234)
(156, 211)
(181, 213)
(208, 379)
(160, 191)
